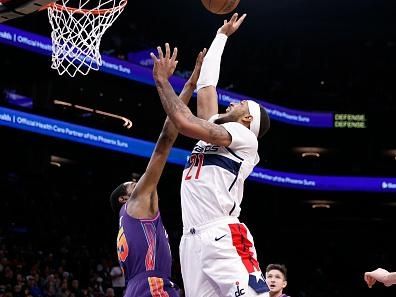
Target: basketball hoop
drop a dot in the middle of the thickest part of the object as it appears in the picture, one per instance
(77, 29)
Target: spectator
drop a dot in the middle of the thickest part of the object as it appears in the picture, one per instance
(276, 279)
(117, 280)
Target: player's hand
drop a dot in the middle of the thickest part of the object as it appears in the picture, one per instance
(370, 281)
(164, 66)
(229, 27)
(377, 275)
(197, 69)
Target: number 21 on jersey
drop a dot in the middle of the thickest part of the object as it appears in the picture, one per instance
(196, 160)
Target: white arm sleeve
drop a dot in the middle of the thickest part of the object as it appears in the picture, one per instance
(210, 70)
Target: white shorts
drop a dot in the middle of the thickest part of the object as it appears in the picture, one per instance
(218, 259)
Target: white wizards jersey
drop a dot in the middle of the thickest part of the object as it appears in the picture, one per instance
(213, 178)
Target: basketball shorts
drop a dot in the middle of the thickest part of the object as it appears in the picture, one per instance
(218, 259)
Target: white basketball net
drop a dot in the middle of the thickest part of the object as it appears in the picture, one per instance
(77, 31)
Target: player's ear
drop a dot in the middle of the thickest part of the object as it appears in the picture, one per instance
(247, 118)
(123, 199)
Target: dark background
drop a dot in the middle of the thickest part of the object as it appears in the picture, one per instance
(309, 55)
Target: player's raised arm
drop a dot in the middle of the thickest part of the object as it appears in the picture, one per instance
(207, 104)
(184, 120)
(148, 182)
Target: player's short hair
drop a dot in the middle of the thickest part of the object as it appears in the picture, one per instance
(121, 190)
(280, 267)
(264, 122)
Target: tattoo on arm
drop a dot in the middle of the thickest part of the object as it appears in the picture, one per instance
(215, 131)
(169, 131)
(170, 101)
(174, 106)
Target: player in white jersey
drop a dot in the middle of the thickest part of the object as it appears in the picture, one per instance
(217, 252)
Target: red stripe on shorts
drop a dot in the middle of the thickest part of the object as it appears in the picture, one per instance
(243, 246)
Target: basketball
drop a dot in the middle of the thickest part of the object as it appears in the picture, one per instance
(220, 6)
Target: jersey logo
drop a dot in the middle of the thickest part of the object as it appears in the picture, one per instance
(239, 292)
(122, 245)
(206, 148)
(218, 238)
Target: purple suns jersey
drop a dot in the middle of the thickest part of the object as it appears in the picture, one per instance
(144, 255)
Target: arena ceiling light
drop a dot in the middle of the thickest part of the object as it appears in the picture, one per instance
(309, 152)
(127, 122)
(321, 203)
(59, 161)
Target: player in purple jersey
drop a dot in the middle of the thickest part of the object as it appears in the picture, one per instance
(276, 279)
(142, 243)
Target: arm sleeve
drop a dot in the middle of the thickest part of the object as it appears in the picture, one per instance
(210, 71)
